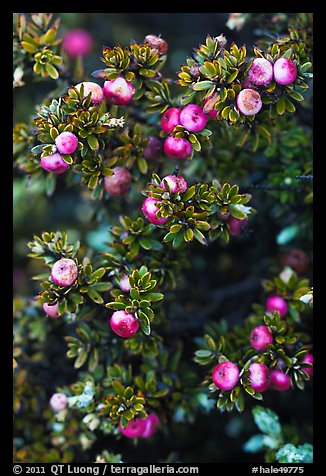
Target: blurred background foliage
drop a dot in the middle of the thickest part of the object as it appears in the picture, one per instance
(224, 280)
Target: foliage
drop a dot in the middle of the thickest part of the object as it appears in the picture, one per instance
(271, 440)
(196, 290)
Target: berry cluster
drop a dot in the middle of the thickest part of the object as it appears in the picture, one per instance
(192, 118)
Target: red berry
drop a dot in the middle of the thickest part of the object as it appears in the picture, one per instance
(225, 375)
(285, 71)
(259, 376)
(58, 401)
(66, 142)
(177, 148)
(309, 358)
(193, 118)
(119, 183)
(261, 72)
(95, 89)
(170, 119)
(54, 163)
(119, 91)
(152, 423)
(260, 337)
(51, 311)
(277, 303)
(134, 429)
(77, 42)
(249, 102)
(154, 148)
(279, 381)
(236, 226)
(64, 272)
(124, 324)
(150, 209)
(176, 183)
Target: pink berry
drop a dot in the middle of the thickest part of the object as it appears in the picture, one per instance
(285, 71)
(193, 118)
(261, 72)
(309, 358)
(124, 283)
(236, 226)
(54, 163)
(154, 148)
(259, 376)
(95, 89)
(279, 381)
(157, 43)
(51, 311)
(249, 102)
(260, 337)
(134, 429)
(58, 401)
(170, 119)
(66, 142)
(176, 183)
(77, 42)
(225, 375)
(152, 423)
(150, 209)
(119, 183)
(177, 148)
(64, 272)
(119, 91)
(124, 324)
(277, 303)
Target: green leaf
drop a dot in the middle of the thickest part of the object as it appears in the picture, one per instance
(203, 353)
(305, 67)
(189, 193)
(52, 71)
(82, 357)
(153, 296)
(201, 85)
(142, 165)
(98, 274)
(188, 235)
(38, 148)
(145, 243)
(236, 213)
(62, 307)
(29, 47)
(266, 420)
(117, 306)
(291, 454)
(296, 96)
(200, 237)
(280, 105)
(134, 293)
(95, 296)
(92, 142)
(254, 444)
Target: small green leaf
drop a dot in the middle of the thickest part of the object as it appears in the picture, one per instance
(153, 296)
(52, 71)
(92, 142)
(200, 237)
(95, 296)
(202, 85)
